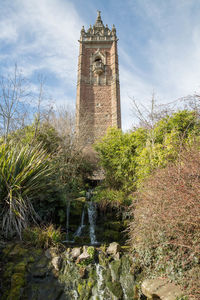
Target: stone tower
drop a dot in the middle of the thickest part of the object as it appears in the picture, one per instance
(98, 90)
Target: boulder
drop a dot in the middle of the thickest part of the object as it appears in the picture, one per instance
(160, 289)
(51, 252)
(56, 262)
(113, 248)
(75, 252)
(82, 257)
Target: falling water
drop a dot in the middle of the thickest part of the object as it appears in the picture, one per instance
(80, 228)
(92, 221)
(100, 282)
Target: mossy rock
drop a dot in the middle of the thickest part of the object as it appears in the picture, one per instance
(106, 273)
(20, 267)
(9, 267)
(17, 251)
(115, 288)
(103, 259)
(7, 249)
(115, 267)
(92, 274)
(17, 285)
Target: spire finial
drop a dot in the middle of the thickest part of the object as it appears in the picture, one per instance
(98, 14)
(99, 22)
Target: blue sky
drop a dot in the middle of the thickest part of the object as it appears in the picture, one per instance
(159, 46)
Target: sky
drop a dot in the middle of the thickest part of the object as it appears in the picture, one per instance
(159, 46)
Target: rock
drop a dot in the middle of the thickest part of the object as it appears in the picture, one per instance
(82, 257)
(113, 248)
(160, 288)
(85, 248)
(51, 252)
(40, 272)
(75, 252)
(56, 262)
(117, 256)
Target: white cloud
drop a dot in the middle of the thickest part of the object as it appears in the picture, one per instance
(43, 35)
(172, 51)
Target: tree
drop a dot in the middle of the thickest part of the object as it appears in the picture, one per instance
(13, 93)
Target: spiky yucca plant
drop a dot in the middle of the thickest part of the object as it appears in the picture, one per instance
(23, 175)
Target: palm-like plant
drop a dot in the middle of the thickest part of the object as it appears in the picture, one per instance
(23, 176)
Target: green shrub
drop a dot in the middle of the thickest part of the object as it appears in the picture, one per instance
(43, 237)
(110, 197)
(23, 174)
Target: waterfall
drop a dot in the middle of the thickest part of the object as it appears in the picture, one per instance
(92, 221)
(80, 228)
(67, 221)
(100, 282)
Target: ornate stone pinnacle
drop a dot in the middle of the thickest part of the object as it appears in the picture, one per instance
(99, 22)
(98, 14)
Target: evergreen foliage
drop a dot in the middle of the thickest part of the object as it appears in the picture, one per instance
(23, 174)
(128, 158)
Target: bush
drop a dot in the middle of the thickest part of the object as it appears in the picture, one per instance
(166, 226)
(129, 158)
(110, 197)
(23, 174)
(43, 237)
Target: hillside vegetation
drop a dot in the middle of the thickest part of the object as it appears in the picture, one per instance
(152, 180)
(160, 168)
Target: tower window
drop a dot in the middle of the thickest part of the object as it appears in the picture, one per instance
(98, 59)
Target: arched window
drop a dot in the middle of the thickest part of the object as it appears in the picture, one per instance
(98, 59)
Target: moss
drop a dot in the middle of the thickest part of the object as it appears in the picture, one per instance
(30, 259)
(103, 248)
(20, 267)
(81, 288)
(115, 269)
(7, 250)
(106, 275)
(18, 251)
(115, 288)
(92, 274)
(37, 252)
(90, 284)
(104, 260)
(8, 270)
(91, 252)
(42, 263)
(17, 284)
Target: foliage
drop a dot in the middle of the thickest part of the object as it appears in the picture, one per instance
(23, 174)
(70, 166)
(111, 197)
(166, 227)
(128, 158)
(117, 152)
(43, 237)
(91, 251)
